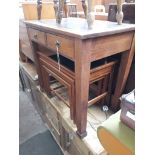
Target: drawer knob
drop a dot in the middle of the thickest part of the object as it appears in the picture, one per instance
(28, 90)
(35, 36)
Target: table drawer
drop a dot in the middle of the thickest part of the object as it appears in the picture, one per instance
(23, 35)
(26, 49)
(37, 36)
(55, 134)
(49, 108)
(53, 130)
(53, 116)
(66, 45)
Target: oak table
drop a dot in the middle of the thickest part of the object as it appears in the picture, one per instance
(83, 46)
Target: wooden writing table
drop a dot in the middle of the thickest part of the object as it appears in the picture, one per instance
(84, 46)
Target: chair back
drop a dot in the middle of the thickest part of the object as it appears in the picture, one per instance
(128, 11)
(99, 9)
(72, 10)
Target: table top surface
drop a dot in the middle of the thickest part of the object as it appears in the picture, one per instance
(78, 28)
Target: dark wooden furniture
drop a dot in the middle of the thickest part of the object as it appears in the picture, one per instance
(128, 11)
(24, 43)
(39, 8)
(55, 116)
(101, 74)
(129, 17)
(84, 46)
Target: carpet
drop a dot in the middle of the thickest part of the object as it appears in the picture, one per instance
(40, 144)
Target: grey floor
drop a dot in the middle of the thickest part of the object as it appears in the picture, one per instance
(34, 137)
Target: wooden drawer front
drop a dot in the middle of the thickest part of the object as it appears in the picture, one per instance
(110, 45)
(39, 101)
(52, 111)
(66, 45)
(54, 132)
(53, 117)
(26, 49)
(23, 35)
(37, 36)
(56, 135)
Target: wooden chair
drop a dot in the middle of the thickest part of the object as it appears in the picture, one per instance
(100, 79)
(72, 10)
(128, 11)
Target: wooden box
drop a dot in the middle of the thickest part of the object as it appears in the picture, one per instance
(30, 11)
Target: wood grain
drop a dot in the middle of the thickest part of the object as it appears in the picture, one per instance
(24, 41)
(105, 39)
(110, 45)
(124, 69)
(82, 74)
(30, 11)
(66, 45)
(37, 36)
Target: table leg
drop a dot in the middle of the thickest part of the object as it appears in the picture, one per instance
(125, 64)
(85, 7)
(82, 74)
(34, 47)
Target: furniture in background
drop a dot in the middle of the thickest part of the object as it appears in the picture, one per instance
(72, 10)
(129, 17)
(24, 43)
(29, 79)
(101, 76)
(99, 9)
(75, 42)
(106, 3)
(128, 11)
(55, 115)
(100, 14)
(88, 9)
(116, 137)
(29, 12)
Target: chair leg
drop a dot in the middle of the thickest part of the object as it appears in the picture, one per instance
(104, 89)
(46, 80)
(71, 103)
